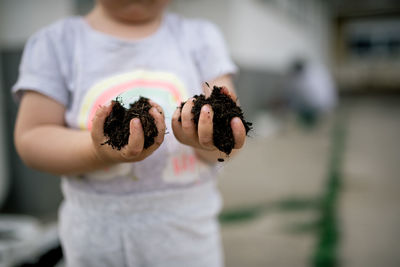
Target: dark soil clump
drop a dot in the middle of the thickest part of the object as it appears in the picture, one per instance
(116, 125)
(225, 109)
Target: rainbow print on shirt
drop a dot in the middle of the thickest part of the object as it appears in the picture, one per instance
(164, 88)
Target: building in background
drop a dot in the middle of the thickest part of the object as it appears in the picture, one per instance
(367, 47)
(267, 34)
(264, 37)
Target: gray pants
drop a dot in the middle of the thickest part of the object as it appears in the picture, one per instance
(175, 228)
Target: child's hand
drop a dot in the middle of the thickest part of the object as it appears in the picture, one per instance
(202, 137)
(133, 151)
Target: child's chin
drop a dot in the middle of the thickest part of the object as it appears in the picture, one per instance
(138, 13)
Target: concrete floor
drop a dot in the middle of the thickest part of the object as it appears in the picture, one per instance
(293, 164)
(370, 199)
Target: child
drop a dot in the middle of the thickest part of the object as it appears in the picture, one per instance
(310, 90)
(134, 206)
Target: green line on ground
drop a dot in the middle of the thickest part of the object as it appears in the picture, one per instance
(325, 254)
(297, 204)
(248, 213)
(240, 215)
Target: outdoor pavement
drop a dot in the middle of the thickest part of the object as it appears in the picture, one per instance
(370, 213)
(292, 166)
(289, 165)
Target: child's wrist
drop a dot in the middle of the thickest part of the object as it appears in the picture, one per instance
(98, 158)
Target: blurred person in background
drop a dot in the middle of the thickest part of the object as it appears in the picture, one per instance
(310, 90)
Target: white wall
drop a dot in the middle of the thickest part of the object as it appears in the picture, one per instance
(20, 18)
(267, 34)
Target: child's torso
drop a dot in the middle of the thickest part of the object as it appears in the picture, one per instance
(98, 68)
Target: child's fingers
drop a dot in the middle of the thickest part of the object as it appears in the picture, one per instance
(98, 123)
(231, 94)
(135, 141)
(177, 125)
(188, 126)
(160, 123)
(205, 128)
(158, 107)
(239, 132)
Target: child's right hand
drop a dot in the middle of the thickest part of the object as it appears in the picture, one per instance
(133, 151)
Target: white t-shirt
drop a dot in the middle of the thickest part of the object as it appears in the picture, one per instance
(313, 88)
(82, 68)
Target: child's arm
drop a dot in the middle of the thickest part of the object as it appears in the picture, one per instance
(202, 139)
(45, 143)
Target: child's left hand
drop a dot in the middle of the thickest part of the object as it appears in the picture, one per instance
(202, 137)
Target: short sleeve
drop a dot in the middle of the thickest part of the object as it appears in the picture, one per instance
(211, 53)
(40, 70)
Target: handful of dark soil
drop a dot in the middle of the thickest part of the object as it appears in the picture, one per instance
(116, 125)
(225, 109)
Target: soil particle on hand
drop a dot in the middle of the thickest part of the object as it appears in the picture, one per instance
(116, 125)
(225, 109)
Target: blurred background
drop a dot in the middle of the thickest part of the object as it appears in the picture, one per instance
(317, 183)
